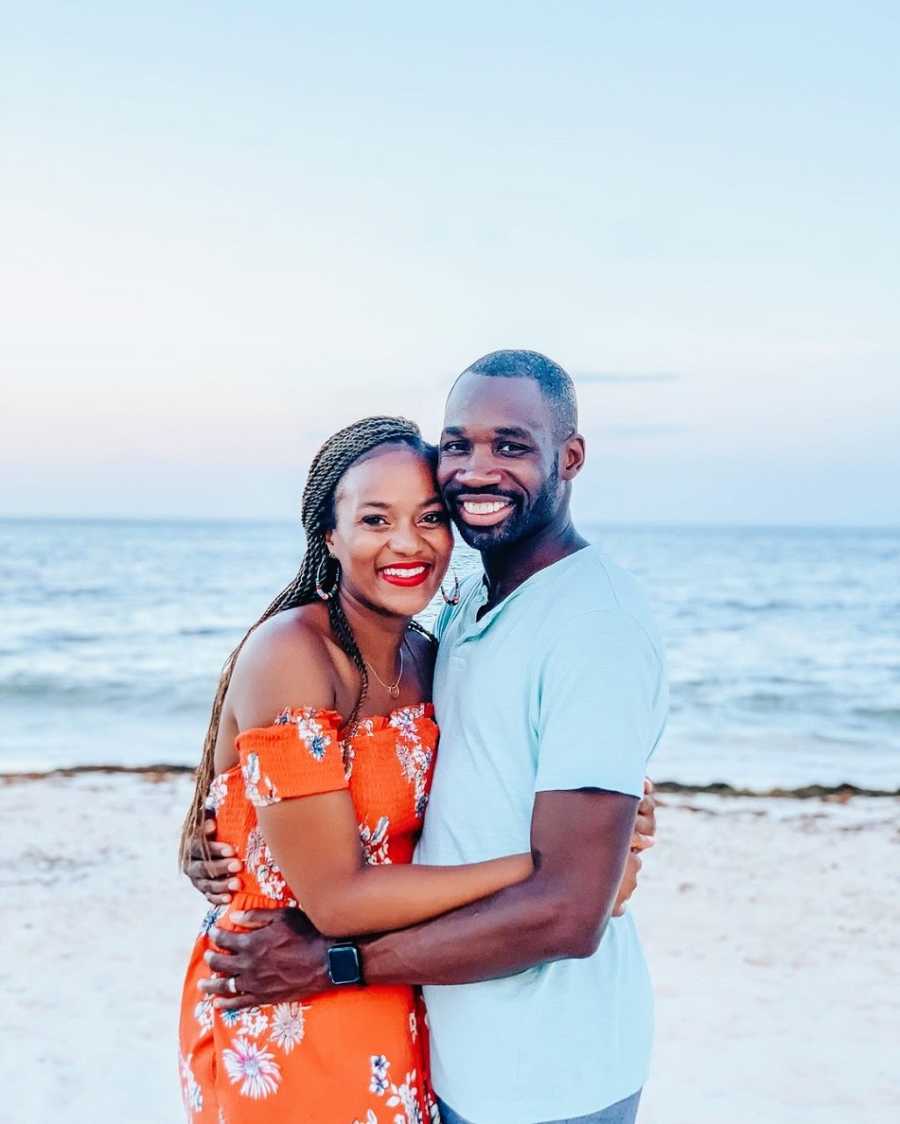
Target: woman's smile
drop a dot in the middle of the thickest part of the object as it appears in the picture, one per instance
(406, 574)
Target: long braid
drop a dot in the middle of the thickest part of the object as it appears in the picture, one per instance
(317, 515)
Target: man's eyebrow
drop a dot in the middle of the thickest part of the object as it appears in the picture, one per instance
(512, 431)
(499, 431)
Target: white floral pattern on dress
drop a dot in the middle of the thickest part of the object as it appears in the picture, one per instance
(414, 756)
(262, 866)
(218, 793)
(254, 1067)
(406, 1095)
(204, 1013)
(309, 730)
(375, 842)
(378, 1082)
(210, 918)
(253, 1021)
(261, 792)
(191, 1092)
(288, 1025)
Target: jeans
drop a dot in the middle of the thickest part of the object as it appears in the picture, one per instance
(622, 1112)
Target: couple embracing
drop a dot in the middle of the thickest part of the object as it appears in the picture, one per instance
(336, 894)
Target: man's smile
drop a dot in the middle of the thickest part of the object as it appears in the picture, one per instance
(483, 511)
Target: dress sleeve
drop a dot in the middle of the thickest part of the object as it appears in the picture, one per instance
(299, 755)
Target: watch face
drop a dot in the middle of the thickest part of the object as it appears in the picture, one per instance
(343, 964)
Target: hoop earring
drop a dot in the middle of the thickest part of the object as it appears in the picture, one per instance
(327, 594)
(453, 599)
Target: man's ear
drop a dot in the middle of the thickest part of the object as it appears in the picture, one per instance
(571, 459)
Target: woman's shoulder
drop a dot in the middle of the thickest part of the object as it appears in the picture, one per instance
(301, 631)
(285, 662)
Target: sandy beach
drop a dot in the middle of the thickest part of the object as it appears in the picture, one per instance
(772, 927)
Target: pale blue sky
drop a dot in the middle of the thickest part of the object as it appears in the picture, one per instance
(228, 229)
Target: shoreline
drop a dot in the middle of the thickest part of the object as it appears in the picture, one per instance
(163, 770)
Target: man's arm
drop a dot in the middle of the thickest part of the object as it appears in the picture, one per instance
(580, 841)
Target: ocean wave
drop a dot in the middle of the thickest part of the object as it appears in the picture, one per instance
(747, 606)
(51, 636)
(889, 714)
(57, 690)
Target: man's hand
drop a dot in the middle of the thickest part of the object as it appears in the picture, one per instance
(283, 957)
(214, 876)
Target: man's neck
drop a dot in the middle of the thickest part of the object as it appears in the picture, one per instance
(507, 567)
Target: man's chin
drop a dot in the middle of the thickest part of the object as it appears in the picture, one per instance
(486, 538)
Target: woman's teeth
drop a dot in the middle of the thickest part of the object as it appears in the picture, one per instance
(490, 507)
(404, 571)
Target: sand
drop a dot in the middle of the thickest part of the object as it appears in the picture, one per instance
(772, 927)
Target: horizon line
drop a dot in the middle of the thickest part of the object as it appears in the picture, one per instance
(783, 525)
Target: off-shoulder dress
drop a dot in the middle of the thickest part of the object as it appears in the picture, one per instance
(349, 1056)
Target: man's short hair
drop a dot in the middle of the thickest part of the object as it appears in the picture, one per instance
(555, 384)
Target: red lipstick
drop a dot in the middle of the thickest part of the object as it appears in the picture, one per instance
(406, 574)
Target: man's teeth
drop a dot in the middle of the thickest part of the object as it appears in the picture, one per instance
(489, 507)
(404, 571)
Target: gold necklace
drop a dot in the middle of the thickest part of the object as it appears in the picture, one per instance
(393, 689)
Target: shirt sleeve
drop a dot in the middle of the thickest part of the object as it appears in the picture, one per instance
(600, 706)
(299, 755)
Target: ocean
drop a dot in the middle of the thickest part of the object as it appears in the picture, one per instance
(783, 644)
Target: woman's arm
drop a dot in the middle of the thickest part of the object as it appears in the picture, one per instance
(315, 841)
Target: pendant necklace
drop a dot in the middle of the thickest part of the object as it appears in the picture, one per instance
(393, 689)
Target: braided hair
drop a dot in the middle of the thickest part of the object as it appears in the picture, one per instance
(317, 569)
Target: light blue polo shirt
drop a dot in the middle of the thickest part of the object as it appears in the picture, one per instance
(560, 686)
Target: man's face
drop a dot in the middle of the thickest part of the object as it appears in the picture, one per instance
(499, 468)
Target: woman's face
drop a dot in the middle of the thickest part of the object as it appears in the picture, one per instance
(392, 535)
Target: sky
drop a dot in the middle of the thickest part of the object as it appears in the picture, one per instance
(228, 229)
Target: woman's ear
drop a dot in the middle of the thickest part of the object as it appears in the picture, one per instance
(329, 537)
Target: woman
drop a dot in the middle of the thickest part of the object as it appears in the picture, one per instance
(317, 764)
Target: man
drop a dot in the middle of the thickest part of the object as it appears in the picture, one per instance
(551, 696)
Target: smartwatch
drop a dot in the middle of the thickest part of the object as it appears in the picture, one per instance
(344, 964)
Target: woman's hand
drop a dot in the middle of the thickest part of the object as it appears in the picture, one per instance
(213, 876)
(644, 837)
(645, 824)
(628, 884)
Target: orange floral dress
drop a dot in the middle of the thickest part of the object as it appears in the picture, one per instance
(348, 1056)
